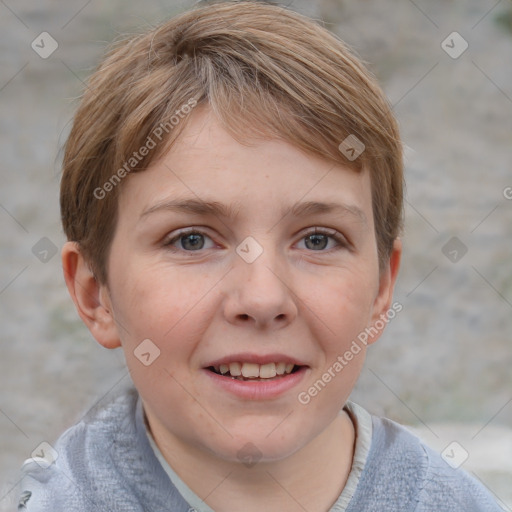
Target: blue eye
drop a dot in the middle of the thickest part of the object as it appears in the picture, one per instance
(319, 240)
(193, 240)
(189, 241)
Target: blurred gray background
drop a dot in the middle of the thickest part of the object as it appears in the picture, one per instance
(444, 364)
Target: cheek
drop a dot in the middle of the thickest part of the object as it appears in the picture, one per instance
(159, 303)
(344, 309)
(170, 310)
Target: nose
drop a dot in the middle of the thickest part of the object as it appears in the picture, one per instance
(260, 293)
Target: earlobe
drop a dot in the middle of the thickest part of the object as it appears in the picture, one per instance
(91, 298)
(384, 297)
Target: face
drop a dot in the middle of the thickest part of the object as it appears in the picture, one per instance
(253, 259)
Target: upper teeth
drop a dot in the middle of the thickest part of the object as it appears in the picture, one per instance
(263, 371)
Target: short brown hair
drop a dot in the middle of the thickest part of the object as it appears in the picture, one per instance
(256, 65)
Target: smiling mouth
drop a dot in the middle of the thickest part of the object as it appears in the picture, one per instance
(255, 372)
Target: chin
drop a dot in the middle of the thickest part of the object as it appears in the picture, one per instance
(251, 446)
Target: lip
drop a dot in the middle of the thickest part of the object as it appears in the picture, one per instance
(258, 390)
(247, 357)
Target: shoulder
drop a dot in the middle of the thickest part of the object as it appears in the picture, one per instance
(403, 474)
(69, 473)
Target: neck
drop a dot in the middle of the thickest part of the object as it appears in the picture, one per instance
(310, 479)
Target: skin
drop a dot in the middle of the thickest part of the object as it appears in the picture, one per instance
(199, 304)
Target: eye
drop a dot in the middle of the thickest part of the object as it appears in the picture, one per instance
(191, 240)
(318, 239)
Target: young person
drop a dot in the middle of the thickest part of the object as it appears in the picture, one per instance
(232, 197)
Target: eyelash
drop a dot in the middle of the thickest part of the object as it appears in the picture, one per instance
(335, 235)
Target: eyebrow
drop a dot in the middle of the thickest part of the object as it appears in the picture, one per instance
(217, 209)
(195, 206)
(316, 207)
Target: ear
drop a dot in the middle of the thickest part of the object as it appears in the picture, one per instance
(382, 304)
(92, 299)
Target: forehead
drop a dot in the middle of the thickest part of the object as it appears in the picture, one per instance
(207, 165)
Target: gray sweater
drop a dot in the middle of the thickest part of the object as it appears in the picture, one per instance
(107, 463)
